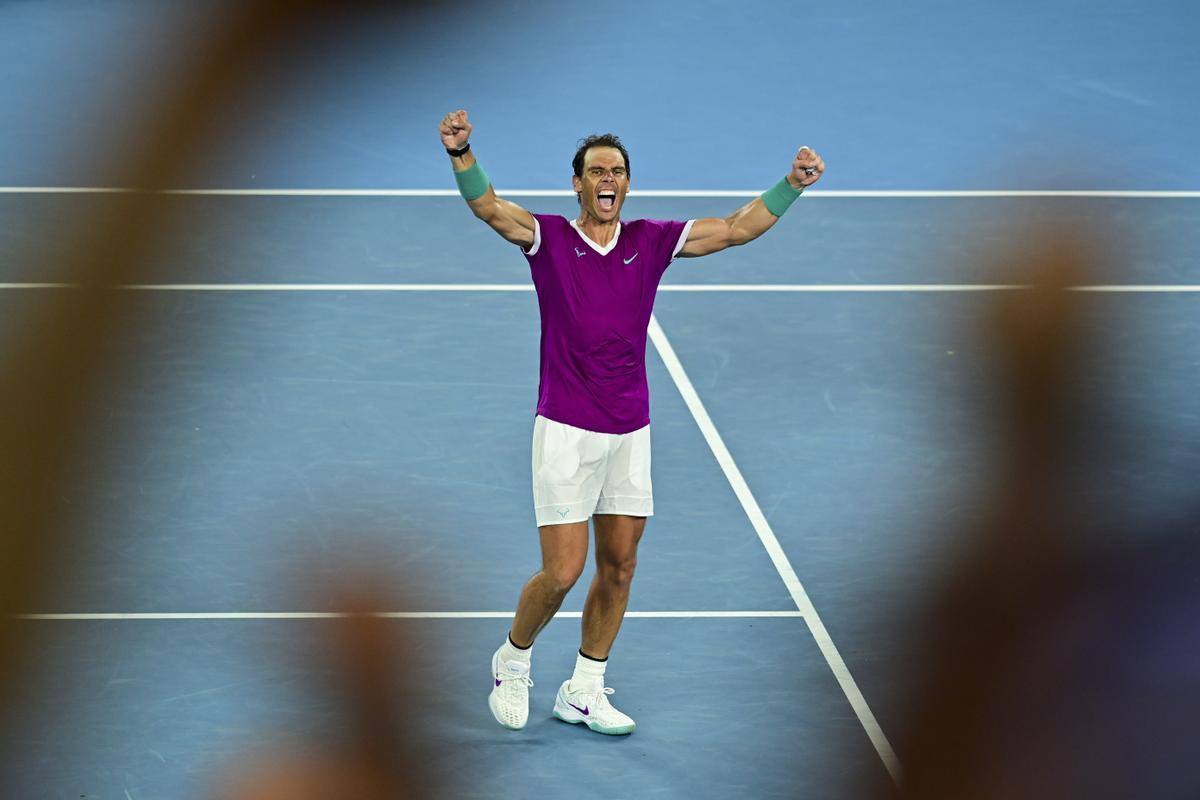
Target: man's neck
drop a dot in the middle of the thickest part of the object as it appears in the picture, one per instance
(599, 232)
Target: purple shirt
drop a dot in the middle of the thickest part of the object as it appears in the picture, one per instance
(595, 304)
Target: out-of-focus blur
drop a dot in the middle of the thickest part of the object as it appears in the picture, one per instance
(372, 748)
(72, 342)
(1059, 657)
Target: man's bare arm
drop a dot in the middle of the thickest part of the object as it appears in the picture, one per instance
(753, 219)
(503, 216)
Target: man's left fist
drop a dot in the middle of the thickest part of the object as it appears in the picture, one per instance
(807, 168)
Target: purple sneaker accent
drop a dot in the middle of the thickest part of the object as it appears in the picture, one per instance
(583, 710)
(497, 681)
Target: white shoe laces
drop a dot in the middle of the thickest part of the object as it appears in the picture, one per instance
(511, 678)
(602, 703)
(596, 698)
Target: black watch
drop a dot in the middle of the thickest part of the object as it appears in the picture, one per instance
(461, 151)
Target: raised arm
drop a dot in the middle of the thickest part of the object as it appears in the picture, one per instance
(504, 216)
(756, 217)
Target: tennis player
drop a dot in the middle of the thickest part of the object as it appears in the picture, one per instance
(596, 278)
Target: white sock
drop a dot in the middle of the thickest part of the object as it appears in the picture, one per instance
(510, 652)
(589, 674)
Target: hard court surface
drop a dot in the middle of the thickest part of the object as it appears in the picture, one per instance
(315, 375)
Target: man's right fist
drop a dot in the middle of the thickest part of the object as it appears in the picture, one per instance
(455, 130)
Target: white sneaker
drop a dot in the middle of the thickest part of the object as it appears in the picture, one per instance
(509, 699)
(591, 707)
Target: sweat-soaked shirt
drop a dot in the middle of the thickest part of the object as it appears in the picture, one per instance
(595, 305)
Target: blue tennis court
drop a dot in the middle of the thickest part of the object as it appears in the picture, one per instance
(326, 360)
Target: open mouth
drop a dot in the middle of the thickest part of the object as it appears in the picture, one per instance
(607, 200)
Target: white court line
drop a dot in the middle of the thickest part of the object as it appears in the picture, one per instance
(678, 287)
(833, 193)
(792, 581)
(914, 287)
(154, 615)
(1166, 287)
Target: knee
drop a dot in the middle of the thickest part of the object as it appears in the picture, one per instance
(561, 577)
(617, 571)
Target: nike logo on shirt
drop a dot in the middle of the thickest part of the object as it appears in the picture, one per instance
(580, 253)
(629, 260)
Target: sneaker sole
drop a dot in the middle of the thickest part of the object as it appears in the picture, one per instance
(574, 719)
(496, 714)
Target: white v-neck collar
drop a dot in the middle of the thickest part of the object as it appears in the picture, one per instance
(601, 250)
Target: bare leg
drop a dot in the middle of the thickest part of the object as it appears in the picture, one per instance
(617, 538)
(564, 551)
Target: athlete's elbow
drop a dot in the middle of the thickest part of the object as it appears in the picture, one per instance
(748, 233)
(739, 236)
(482, 210)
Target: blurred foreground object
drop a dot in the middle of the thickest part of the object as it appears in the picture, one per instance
(1057, 661)
(73, 340)
(374, 754)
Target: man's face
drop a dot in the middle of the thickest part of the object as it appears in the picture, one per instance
(604, 184)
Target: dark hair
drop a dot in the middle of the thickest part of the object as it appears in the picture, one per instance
(597, 140)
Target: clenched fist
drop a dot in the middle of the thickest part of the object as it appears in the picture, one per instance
(455, 130)
(807, 168)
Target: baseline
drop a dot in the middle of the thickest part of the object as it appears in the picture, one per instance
(186, 615)
(676, 287)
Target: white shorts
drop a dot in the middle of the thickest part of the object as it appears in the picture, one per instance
(578, 473)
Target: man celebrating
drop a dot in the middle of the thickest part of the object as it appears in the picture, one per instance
(596, 278)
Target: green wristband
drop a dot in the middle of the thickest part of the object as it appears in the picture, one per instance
(780, 196)
(472, 182)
